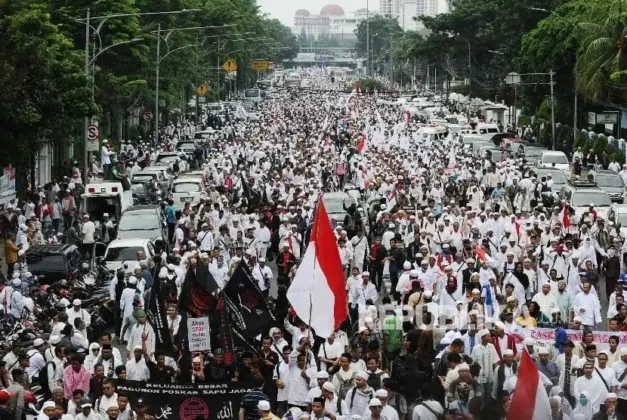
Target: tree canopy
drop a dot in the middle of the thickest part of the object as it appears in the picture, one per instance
(45, 93)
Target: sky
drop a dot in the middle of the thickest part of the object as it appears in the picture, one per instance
(284, 10)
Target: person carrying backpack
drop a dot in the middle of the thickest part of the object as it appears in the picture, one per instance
(360, 395)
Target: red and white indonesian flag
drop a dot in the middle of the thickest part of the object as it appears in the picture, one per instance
(565, 216)
(530, 400)
(362, 144)
(317, 293)
(391, 200)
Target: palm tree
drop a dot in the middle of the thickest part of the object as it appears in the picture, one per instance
(601, 67)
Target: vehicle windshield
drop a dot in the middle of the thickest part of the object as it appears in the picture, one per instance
(336, 204)
(142, 178)
(622, 218)
(558, 177)
(167, 159)
(583, 199)
(185, 146)
(186, 187)
(140, 221)
(138, 188)
(45, 262)
(531, 153)
(557, 159)
(609, 181)
(123, 253)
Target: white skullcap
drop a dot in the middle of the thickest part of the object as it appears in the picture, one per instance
(463, 366)
(363, 375)
(263, 405)
(322, 375)
(529, 341)
(381, 393)
(508, 352)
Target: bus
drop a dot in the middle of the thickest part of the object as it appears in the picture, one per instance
(252, 95)
(293, 80)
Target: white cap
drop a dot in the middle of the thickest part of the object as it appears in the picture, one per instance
(463, 366)
(375, 402)
(263, 405)
(38, 342)
(363, 375)
(77, 302)
(406, 265)
(529, 341)
(508, 352)
(48, 404)
(322, 375)
(543, 350)
(611, 396)
(483, 332)
(381, 393)
(428, 293)
(262, 259)
(328, 386)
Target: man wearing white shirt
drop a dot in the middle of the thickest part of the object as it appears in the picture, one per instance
(263, 240)
(329, 352)
(363, 293)
(593, 384)
(587, 307)
(88, 231)
(546, 300)
(36, 359)
(205, 239)
(109, 398)
(620, 372)
(263, 274)
(105, 158)
(76, 312)
(136, 367)
(386, 411)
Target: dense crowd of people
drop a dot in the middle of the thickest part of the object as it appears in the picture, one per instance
(451, 261)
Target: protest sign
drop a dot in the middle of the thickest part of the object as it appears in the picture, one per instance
(546, 336)
(198, 334)
(215, 401)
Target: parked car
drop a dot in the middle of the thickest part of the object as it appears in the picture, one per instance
(555, 159)
(123, 252)
(610, 182)
(52, 263)
(142, 222)
(144, 192)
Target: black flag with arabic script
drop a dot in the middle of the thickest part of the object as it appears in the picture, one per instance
(253, 197)
(248, 305)
(158, 319)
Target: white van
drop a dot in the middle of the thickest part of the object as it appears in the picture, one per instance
(293, 80)
(484, 128)
(555, 159)
(187, 190)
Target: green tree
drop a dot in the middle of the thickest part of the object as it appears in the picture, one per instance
(602, 62)
(383, 32)
(43, 90)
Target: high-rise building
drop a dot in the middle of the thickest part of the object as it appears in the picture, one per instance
(332, 21)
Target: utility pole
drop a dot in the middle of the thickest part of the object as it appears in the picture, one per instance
(575, 113)
(368, 38)
(86, 120)
(551, 74)
(156, 139)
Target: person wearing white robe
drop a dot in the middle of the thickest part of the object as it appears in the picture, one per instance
(593, 385)
(135, 338)
(546, 300)
(486, 356)
(587, 307)
(360, 248)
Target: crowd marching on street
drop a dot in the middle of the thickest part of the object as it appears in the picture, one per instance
(460, 273)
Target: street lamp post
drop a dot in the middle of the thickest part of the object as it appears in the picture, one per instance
(367, 38)
(88, 60)
(160, 59)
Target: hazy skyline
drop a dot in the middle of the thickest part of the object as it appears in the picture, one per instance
(284, 11)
